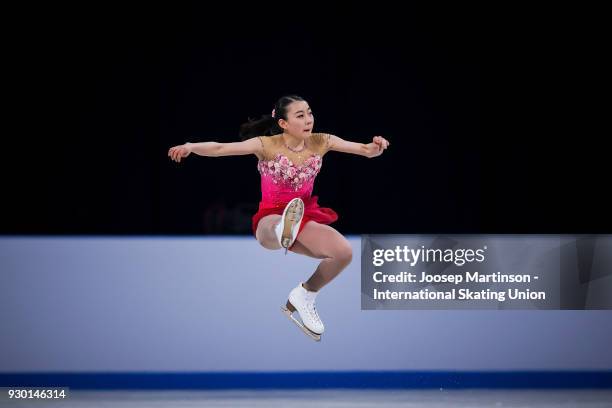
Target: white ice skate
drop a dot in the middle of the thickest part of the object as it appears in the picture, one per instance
(303, 301)
(287, 229)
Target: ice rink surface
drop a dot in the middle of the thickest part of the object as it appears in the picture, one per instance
(337, 398)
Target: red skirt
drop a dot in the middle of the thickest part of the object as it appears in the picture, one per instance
(312, 212)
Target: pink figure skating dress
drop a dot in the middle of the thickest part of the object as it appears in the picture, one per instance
(286, 174)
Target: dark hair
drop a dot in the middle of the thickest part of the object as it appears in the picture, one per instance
(268, 125)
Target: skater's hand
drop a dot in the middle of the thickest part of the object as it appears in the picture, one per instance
(380, 144)
(176, 153)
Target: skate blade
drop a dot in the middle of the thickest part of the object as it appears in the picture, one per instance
(294, 214)
(314, 336)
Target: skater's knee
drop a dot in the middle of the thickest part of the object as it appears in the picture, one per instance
(265, 234)
(268, 243)
(259, 236)
(344, 253)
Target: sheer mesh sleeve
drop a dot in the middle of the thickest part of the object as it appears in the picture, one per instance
(325, 143)
(263, 147)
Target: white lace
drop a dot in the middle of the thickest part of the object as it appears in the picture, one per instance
(310, 306)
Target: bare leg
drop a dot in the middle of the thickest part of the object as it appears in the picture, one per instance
(323, 242)
(299, 248)
(265, 231)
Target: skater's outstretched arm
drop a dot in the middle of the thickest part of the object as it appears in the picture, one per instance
(215, 149)
(374, 149)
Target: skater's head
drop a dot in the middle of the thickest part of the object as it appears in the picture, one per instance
(297, 119)
(292, 115)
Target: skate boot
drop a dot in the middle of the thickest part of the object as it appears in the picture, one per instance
(303, 301)
(287, 229)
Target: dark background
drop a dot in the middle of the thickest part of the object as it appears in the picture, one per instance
(490, 114)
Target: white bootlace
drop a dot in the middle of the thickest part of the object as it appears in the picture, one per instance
(310, 305)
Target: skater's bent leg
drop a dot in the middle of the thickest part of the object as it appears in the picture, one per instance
(299, 248)
(265, 231)
(325, 242)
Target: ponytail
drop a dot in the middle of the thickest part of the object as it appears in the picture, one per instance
(267, 125)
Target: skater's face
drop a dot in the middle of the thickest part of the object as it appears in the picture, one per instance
(299, 121)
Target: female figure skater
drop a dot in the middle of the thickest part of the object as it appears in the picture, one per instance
(290, 157)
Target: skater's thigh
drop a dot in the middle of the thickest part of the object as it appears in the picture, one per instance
(301, 249)
(324, 241)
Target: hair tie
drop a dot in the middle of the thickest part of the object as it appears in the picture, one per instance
(273, 112)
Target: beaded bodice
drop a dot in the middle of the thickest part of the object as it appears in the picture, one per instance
(287, 174)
